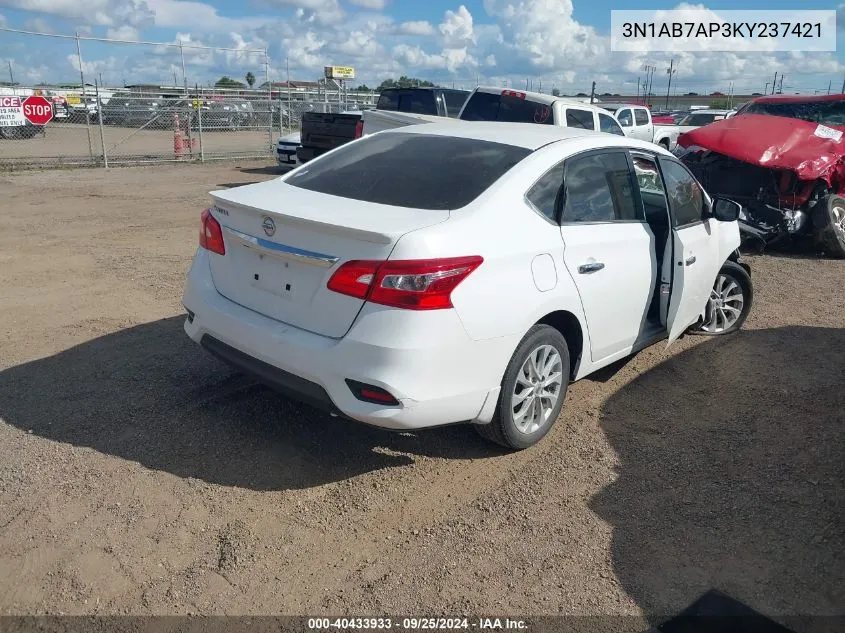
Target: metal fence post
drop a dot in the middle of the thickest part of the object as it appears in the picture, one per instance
(100, 117)
(199, 120)
(84, 98)
(269, 100)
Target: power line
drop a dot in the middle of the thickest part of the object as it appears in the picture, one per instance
(115, 41)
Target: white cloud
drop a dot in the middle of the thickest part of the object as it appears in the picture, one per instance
(457, 27)
(39, 25)
(124, 32)
(101, 12)
(415, 27)
(369, 4)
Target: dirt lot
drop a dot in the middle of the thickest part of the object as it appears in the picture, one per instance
(67, 143)
(139, 475)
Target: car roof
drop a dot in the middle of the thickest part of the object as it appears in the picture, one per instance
(708, 111)
(531, 136)
(542, 97)
(617, 106)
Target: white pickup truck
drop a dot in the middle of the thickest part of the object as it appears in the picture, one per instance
(514, 106)
(637, 123)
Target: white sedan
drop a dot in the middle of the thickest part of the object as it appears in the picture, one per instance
(462, 272)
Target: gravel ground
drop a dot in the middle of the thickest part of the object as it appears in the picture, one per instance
(138, 475)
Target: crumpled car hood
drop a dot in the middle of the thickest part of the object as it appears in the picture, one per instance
(810, 150)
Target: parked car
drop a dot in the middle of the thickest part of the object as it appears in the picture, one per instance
(825, 109)
(788, 174)
(286, 150)
(322, 132)
(131, 109)
(517, 106)
(457, 272)
(227, 114)
(636, 121)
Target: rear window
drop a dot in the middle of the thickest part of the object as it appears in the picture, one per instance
(419, 171)
(454, 101)
(416, 101)
(484, 106)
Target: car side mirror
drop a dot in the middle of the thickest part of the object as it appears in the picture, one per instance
(725, 210)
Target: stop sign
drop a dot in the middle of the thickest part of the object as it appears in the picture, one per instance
(37, 110)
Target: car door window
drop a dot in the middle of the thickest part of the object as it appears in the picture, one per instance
(686, 199)
(625, 118)
(608, 125)
(580, 118)
(599, 188)
(641, 116)
(543, 195)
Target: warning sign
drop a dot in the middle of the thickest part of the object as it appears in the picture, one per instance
(11, 112)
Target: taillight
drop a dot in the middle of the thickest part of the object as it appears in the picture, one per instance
(211, 235)
(359, 128)
(415, 284)
(513, 93)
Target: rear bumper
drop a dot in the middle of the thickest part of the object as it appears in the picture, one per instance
(304, 154)
(429, 364)
(280, 380)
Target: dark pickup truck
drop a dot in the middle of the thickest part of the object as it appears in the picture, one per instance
(323, 132)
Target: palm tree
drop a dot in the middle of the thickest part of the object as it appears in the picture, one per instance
(250, 79)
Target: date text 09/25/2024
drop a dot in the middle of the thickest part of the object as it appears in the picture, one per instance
(416, 624)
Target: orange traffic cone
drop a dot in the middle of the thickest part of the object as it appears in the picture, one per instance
(178, 139)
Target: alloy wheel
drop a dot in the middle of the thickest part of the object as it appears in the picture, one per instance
(725, 304)
(537, 389)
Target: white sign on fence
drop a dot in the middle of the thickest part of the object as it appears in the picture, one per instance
(11, 112)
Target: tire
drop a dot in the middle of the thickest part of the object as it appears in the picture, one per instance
(517, 431)
(829, 226)
(714, 323)
(664, 143)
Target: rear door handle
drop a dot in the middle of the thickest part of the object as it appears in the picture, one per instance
(590, 268)
(690, 260)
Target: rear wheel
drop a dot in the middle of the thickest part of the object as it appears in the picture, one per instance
(664, 143)
(533, 390)
(829, 226)
(729, 303)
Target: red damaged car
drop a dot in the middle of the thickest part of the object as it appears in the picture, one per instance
(783, 159)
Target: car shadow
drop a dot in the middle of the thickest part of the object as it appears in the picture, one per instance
(730, 476)
(151, 395)
(232, 185)
(273, 170)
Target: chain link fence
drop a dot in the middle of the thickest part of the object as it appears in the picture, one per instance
(106, 127)
(173, 119)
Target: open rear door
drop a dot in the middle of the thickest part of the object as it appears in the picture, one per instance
(696, 257)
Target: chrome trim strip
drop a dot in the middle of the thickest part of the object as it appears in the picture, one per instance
(283, 250)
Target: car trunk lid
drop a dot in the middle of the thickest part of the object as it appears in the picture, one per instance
(283, 243)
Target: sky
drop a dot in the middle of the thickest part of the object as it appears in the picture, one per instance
(561, 44)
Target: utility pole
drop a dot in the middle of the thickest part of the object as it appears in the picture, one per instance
(593, 92)
(830, 83)
(843, 87)
(671, 71)
(780, 88)
(11, 75)
(638, 90)
(774, 83)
